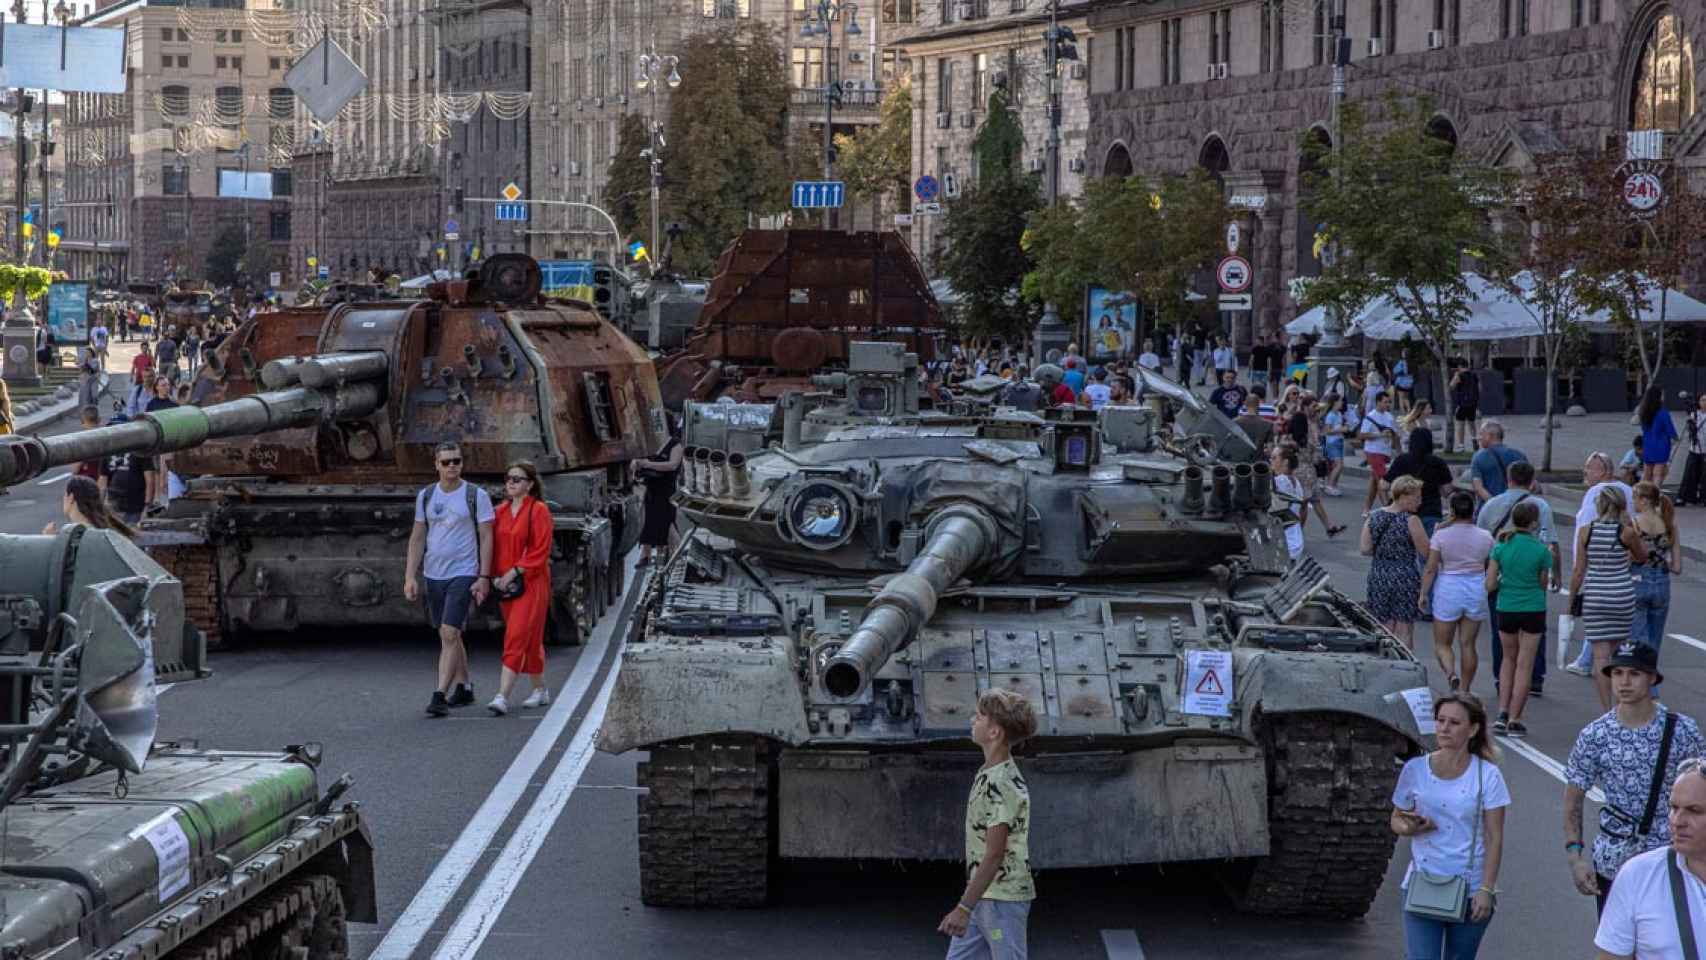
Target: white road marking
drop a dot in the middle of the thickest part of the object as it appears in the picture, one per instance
(1122, 945)
(483, 909)
(1685, 638)
(458, 862)
(160, 691)
(1544, 762)
(53, 479)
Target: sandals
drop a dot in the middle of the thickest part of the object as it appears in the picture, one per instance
(1335, 530)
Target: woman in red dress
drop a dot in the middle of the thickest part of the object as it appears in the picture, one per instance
(522, 550)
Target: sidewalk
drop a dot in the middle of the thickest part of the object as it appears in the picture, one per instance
(38, 414)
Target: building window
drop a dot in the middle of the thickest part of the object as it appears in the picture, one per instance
(897, 11)
(281, 103)
(1170, 32)
(236, 36)
(1664, 82)
(177, 225)
(1267, 37)
(228, 106)
(274, 63)
(1391, 26)
(807, 63)
(167, 61)
(219, 63)
(1374, 19)
(279, 226)
(892, 67)
(944, 85)
(166, 34)
(723, 9)
(282, 184)
(1513, 18)
(221, 36)
(174, 180)
(1457, 20)
(183, 35)
(1130, 43)
(1015, 76)
(237, 64)
(979, 80)
(184, 62)
(1320, 34)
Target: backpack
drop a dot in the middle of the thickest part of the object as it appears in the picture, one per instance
(473, 504)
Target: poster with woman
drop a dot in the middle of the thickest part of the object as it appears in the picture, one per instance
(1111, 319)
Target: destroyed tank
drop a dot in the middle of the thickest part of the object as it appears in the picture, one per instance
(122, 845)
(804, 670)
(784, 304)
(306, 462)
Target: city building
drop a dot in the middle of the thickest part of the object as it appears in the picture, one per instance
(1234, 88)
(964, 49)
(145, 169)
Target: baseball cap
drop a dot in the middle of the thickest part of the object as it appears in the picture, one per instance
(1636, 655)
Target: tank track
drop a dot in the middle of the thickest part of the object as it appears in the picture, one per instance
(197, 568)
(1330, 781)
(301, 918)
(706, 818)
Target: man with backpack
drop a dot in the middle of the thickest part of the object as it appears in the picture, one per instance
(451, 546)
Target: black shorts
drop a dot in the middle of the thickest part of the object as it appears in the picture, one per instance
(1464, 413)
(1531, 621)
(450, 601)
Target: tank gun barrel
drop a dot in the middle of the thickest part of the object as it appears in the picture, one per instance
(178, 428)
(957, 539)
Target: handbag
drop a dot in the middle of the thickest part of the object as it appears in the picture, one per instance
(1627, 835)
(519, 585)
(1446, 898)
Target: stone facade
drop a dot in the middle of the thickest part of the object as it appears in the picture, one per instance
(1502, 96)
(971, 44)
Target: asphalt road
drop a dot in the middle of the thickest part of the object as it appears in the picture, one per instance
(506, 838)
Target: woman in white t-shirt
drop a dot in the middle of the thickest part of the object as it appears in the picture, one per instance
(1289, 502)
(1451, 804)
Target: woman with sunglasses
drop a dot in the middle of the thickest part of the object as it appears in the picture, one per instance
(521, 553)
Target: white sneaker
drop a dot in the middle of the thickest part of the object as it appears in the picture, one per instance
(1578, 669)
(499, 706)
(540, 697)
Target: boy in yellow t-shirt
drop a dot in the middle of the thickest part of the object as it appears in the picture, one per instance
(989, 919)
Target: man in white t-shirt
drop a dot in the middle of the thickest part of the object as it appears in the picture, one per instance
(1598, 473)
(451, 546)
(1147, 359)
(1641, 919)
(1378, 432)
(1098, 390)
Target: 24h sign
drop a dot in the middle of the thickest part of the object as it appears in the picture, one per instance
(1643, 187)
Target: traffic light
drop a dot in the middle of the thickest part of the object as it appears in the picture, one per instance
(1065, 43)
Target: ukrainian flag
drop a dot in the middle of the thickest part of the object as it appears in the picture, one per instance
(637, 251)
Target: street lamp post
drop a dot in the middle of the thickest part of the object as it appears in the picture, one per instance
(1059, 45)
(655, 70)
(18, 337)
(821, 23)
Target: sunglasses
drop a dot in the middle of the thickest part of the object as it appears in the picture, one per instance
(451, 462)
(512, 478)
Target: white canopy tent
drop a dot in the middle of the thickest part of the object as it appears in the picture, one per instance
(1494, 314)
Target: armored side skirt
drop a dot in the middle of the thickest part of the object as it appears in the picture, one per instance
(1193, 800)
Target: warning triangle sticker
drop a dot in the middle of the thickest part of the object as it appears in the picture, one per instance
(1210, 685)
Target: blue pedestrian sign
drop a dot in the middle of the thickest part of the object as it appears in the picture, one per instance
(819, 193)
(927, 188)
(325, 272)
(511, 211)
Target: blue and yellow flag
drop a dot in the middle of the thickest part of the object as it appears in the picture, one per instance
(637, 251)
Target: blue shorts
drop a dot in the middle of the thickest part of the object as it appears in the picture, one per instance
(450, 601)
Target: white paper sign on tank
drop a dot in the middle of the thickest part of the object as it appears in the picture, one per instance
(326, 79)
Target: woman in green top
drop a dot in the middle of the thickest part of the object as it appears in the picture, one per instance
(1519, 569)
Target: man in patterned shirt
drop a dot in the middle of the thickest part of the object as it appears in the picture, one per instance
(1618, 753)
(989, 919)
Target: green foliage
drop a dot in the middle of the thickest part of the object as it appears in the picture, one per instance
(1146, 237)
(34, 280)
(628, 191)
(877, 160)
(985, 260)
(729, 145)
(1405, 215)
(225, 256)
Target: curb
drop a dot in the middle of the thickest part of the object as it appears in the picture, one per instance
(37, 414)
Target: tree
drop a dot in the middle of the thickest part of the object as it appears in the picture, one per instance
(985, 260)
(1149, 236)
(1634, 260)
(1404, 217)
(729, 154)
(628, 189)
(1550, 250)
(225, 256)
(877, 160)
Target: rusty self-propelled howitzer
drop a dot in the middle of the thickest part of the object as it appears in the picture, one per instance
(305, 464)
(804, 670)
(123, 845)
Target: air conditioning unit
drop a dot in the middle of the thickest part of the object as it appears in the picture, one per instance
(967, 120)
(964, 11)
(414, 73)
(1076, 165)
(554, 109)
(1080, 71)
(1217, 71)
(1376, 46)
(944, 121)
(574, 168)
(622, 99)
(1436, 39)
(598, 102)
(855, 56)
(555, 169)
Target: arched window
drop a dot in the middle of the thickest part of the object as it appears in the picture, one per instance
(228, 106)
(1118, 163)
(281, 103)
(1214, 158)
(1663, 92)
(175, 102)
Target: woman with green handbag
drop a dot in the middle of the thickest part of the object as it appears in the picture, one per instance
(1451, 804)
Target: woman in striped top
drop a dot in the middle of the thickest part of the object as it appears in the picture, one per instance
(1604, 582)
